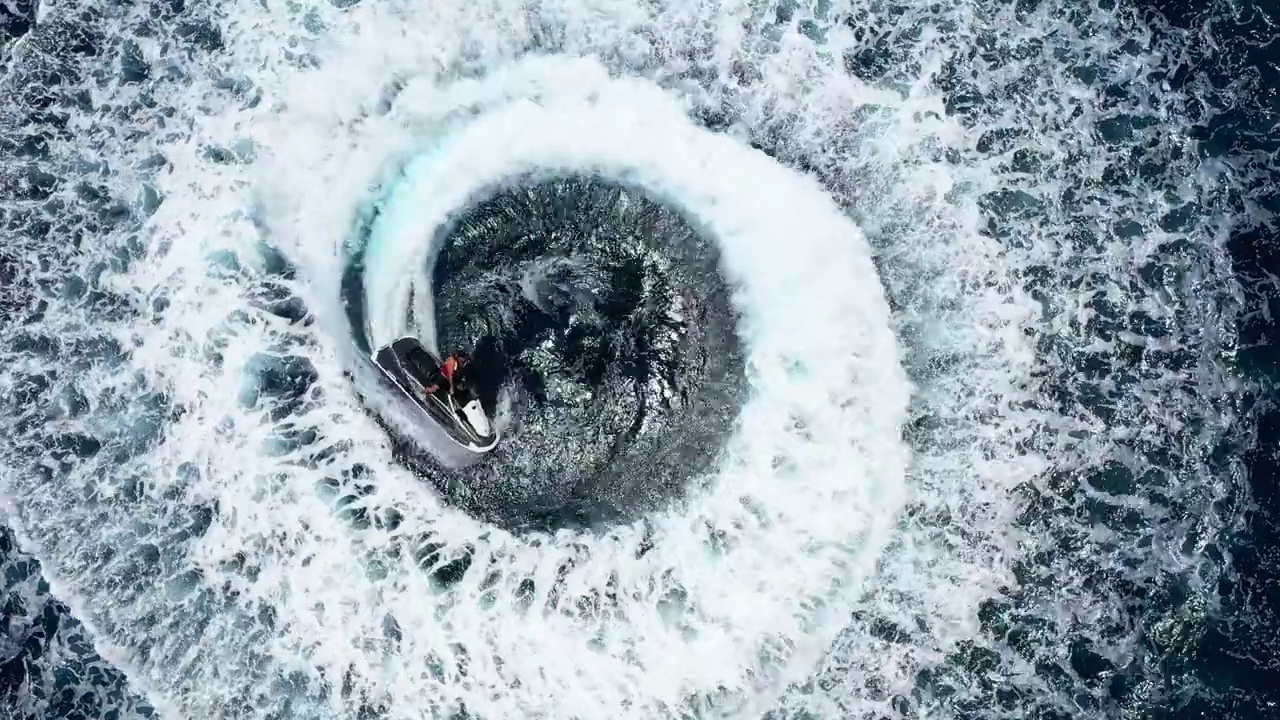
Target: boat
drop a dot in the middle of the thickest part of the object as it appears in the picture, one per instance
(410, 366)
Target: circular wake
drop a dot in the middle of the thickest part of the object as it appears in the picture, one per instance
(801, 491)
(818, 350)
(612, 462)
(849, 363)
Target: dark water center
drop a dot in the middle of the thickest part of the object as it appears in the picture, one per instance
(605, 333)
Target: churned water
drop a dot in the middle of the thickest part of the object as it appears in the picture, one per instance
(861, 360)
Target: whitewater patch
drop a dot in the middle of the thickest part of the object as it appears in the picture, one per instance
(719, 602)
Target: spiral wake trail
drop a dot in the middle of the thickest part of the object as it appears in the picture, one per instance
(890, 360)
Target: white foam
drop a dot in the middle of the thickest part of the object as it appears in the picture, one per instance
(827, 497)
(799, 511)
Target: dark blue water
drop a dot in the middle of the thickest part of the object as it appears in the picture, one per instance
(1234, 668)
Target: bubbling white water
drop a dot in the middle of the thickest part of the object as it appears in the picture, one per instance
(712, 607)
(785, 535)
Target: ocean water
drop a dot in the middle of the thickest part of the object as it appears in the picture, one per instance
(855, 360)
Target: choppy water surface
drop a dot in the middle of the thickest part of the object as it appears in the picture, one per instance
(855, 361)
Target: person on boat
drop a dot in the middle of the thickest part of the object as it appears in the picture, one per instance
(451, 375)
